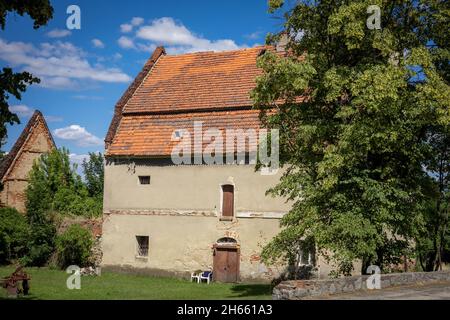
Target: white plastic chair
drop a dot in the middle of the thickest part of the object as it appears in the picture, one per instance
(195, 276)
(206, 275)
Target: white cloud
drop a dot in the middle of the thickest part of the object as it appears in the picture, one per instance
(78, 158)
(58, 65)
(179, 39)
(125, 43)
(58, 33)
(146, 47)
(137, 21)
(97, 43)
(53, 119)
(22, 110)
(77, 161)
(173, 35)
(79, 135)
(126, 27)
(58, 83)
(254, 35)
(167, 31)
(84, 97)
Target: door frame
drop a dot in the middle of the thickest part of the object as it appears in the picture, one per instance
(233, 246)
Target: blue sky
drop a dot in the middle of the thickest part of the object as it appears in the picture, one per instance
(84, 72)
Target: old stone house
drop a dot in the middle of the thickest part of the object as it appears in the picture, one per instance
(34, 140)
(172, 218)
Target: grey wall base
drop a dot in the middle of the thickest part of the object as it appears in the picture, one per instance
(299, 289)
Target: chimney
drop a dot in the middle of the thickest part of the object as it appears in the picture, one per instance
(282, 42)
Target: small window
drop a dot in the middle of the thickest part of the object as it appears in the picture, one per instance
(226, 240)
(306, 255)
(178, 134)
(144, 179)
(227, 201)
(142, 246)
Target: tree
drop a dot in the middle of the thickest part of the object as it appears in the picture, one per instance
(433, 239)
(54, 189)
(49, 173)
(39, 10)
(356, 147)
(55, 186)
(14, 84)
(93, 174)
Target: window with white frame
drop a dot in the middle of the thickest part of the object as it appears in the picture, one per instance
(306, 258)
(306, 255)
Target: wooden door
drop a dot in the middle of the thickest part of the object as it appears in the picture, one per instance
(228, 201)
(226, 264)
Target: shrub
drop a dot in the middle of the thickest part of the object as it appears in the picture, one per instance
(41, 245)
(14, 232)
(74, 246)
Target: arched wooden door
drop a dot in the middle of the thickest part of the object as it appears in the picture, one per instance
(226, 257)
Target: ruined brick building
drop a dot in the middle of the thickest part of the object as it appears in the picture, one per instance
(34, 140)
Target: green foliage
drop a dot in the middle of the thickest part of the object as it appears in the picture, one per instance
(41, 243)
(39, 10)
(55, 186)
(433, 239)
(78, 203)
(93, 173)
(74, 246)
(11, 84)
(356, 151)
(14, 233)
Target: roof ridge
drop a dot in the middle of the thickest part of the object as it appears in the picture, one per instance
(218, 52)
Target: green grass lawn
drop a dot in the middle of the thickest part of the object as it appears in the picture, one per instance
(51, 284)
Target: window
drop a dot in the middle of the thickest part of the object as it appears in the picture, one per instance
(306, 254)
(142, 246)
(226, 240)
(305, 258)
(178, 134)
(144, 179)
(227, 201)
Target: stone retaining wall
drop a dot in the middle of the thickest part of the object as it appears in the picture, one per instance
(299, 289)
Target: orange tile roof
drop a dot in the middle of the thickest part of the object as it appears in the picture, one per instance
(152, 135)
(171, 92)
(198, 81)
